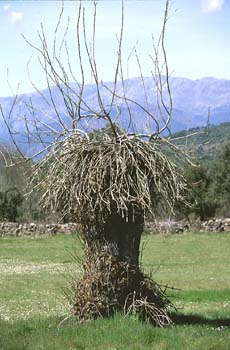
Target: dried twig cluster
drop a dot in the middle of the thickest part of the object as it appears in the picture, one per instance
(103, 176)
(108, 286)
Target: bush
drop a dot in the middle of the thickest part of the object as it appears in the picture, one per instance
(10, 201)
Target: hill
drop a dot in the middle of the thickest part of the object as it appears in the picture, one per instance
(206, 141)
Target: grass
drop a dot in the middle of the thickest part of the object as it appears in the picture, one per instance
(32, 302)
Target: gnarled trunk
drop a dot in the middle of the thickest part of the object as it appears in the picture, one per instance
(122, 237)
(111, 278)
(119, 236)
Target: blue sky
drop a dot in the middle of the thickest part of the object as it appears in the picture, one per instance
(197, 39)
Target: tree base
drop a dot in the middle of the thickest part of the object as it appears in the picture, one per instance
(108, 286)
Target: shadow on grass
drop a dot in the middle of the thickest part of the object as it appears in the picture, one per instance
(180, 319)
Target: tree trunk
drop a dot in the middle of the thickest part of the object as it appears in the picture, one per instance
(112, 280)
(122, 237)
(118, 236)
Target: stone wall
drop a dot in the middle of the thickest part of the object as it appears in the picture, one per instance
(217, 225)
(32, 229)
(164, 227)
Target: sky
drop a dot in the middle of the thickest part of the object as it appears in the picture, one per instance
(197, 38)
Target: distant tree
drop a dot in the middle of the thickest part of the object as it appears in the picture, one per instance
(220, 188)
(2, 205)
(10, 201)
(13, 200)
(17, 177)
(199, 197)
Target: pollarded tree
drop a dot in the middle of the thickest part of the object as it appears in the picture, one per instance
(106, 183)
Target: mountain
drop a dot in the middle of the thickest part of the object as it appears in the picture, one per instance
(192, 99)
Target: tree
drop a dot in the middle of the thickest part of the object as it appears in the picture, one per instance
(199, 197)
(2, 205)
(18, 177)
(107, 184)
(10, 201)
(220, 188)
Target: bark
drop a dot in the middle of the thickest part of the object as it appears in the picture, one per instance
(123, 237)
(118, 236)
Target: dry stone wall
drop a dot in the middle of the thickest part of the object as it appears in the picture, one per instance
(33, 229)
(218, 225)
(164, 227)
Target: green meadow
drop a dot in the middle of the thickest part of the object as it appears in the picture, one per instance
(34, 273)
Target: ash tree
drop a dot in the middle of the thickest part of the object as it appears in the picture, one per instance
(105, 181)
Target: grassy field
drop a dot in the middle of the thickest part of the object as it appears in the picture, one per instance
(32, 303)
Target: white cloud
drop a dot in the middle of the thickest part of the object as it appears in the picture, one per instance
(211, 5)
(6, 7)
(16, 16)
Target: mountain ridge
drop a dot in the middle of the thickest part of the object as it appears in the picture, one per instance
(193, 101)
